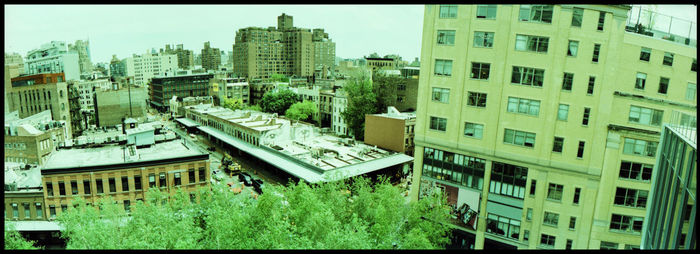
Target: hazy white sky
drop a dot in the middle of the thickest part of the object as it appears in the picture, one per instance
(358, 30)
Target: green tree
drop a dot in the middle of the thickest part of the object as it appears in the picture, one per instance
(15, 241)
(278, 102)
(361, 101)
(255, 107)
(301, 111)
(385, 88)
(355, 214)
(279, 78)
(232, 104)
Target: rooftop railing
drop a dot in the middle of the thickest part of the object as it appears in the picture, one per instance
(643, 21)
(685, 125)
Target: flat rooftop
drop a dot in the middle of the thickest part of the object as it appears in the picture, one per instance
(22, 177)
(118, 154)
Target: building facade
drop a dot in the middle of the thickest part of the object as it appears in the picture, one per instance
(23, 193)
(672, 211)
(492, 74)
(114, 105)
(149, 65)
(211, 57)
(82, 48)
(30, 140)
(393, 131)
(181, 84)
(33, 94)
(53, 57)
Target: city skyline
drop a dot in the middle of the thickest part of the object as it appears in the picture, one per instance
(387, 24)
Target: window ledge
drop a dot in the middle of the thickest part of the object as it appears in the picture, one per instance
(553, 200)
(550, 225)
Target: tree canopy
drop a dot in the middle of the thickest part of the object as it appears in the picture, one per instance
(301, 111)
(385, 88)
(339, 215)
(232, 104)
(279, 78)
(278, 102)
(361, 101)
(15, 241)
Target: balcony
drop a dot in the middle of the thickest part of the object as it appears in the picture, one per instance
(643, 21)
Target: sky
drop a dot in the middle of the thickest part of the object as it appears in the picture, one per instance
(123, 30)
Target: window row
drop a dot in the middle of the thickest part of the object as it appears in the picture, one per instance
(460, 169)
(503, 226)
(509, 180)
(27, 211)
(640, 147)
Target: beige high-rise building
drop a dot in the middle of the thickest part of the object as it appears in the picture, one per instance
(261, 52)
(542, 122)
(211, 57)
(83, 49)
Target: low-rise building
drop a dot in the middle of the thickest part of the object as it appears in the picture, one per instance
(32, 94)
(393, 130)
(181, 84)
(23, 193)
(114, 105)
(230, 88)
(30, 140)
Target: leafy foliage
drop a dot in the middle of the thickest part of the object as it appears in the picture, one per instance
(232, 104)
(278, 102)
(361, 101)
(338, 215)
(279, 78)
(255, 107)
(15, 241)
(301, 111)
(385, 88)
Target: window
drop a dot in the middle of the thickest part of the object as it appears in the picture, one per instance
(486, 11)
(448, 11)
(100, 187)
(62, 188)
(596, 52)
(438, 123)
(49, 189)
(523, 106)
(645, 116)
(27, 211)
(127, 206)
(74, 187)
(631, 197)
(480, 71)
(640, 147)
(635, 171)
(572, 223)
(64, 208)
(112, 184)
(463, 170)
(569, 243)
(567, 82)
(39, 211)
(504, 226)
(531, 43)
(536, 13)
(581, 147)
(547, 240)
(577, 195)
(645, 54)
(601, 21)
(527, 76)
(586, 116)
(177, 179)
(608, 245)
(52, 211)
(446, 37)
(623, 223)
(526, 235)
(202, 174)
(563, 113)
(591, 85)
(15, 211)
(477, 99)
(508, 180)
(690, 92)
(190, 174)
(520, 138)
(533, 185)
(441, 94)
(663, 85)
(528, 214)
(443, 67)
(668, 59)
(573, 49)
(162, 181)
(551, 219)
(86, 187)
(694, 65)
(151, 180)
(474, 130)
(558, 144)
(137, 182)
(555, 191)
(577, 17)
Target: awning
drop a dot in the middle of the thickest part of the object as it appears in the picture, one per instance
(36, 225)
(187, 122)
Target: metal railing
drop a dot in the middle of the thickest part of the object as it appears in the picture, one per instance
(641, 20)
(685, 125)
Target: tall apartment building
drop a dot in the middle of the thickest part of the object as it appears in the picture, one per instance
(31, 139)
(53, 57)
(324, 53)
(32, 94)
(15, 63)
(671, 216)
(149, 65)
(211, 57)
(82, 48)
(261, 52)
(181, 84)
(491, 75)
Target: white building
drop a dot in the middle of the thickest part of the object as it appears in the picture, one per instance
(340, 103)
(146, 66)
(53, 57)
(85, 89)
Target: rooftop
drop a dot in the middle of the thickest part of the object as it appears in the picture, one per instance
(392, 112)
(685, 126)
(22, 177)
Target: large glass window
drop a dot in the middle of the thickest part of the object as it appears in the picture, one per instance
(577, 17)
(623, 223)
(531, 43)
(446, 37)
(460, 169)
(486, 11)
(503, 226)
(555, 191)
(443, 67)
(448, 11)
(438, 123)
(536, 13)
(477, 99)
(547, 240)
(473, 130)
(645, 116)
(527, 76)
(508, 180)
(631, 197)
(520, 138)
(523, 106)
(441, 94)
(480, 70)
(635, 171)
(551, 219)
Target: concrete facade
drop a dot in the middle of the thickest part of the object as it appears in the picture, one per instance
(391, 131)
(113, 105)
(211, 57)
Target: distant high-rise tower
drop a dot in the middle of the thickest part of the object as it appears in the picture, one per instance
(211, 57)
(285, 22)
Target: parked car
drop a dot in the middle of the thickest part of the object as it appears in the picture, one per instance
(245, 178)
(258, 185)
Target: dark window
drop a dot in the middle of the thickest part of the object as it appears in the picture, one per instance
(438, 123)
(477, 99)
(74, 187)
(486, 11)
(555, 191)
(177, 180)
(86, 186)
(536, 13)
(558, 144)
(645, 54)
(456, 168)
(127, 206)
(635, 171)
(137, 182)
(586, 116)
(191, 178)
(577, 17)
(61, 188)
(125, 183)
(668, 59)
(480, 71)
(596, 52)
(631, 197)
(202, 174)
(581, 147)
(568, 81)
(446, 37)
(64, 208)
(112, 184)
(591, 85)
(100, 187)
(601, 21)
(694, 65)
(533, 185)
(572, 223)
(508, 180)
(162, 180)
(527, 76)
(49, 189)
(663, 85)
(577, 195)
(626, 223)
(569, 243)
(151, 180)
(52, 211)
(547, 240)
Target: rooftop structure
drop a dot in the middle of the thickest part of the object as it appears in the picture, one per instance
(21, 177)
